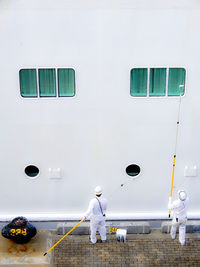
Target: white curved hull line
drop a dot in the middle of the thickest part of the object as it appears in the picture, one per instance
(66, 217)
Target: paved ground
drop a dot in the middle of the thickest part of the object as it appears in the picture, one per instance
(140, 250)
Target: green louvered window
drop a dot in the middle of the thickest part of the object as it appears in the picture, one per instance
(28, 82)
(154, 82)
(47, 82)
(66, 82)
(157, 82)
(176, 81)
(138, 82)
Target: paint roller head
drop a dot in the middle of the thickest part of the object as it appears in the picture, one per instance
(181, 86)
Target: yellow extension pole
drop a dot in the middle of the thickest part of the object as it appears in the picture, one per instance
(173, 169)
(174, 160)
(64, 236)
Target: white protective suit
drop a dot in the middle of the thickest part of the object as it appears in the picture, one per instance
(179, 212)
(97, 220)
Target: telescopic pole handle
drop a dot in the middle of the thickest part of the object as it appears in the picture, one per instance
(180, 87)
(63, 237)
(173, 169)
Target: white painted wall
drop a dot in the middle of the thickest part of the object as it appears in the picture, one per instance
(95, 135)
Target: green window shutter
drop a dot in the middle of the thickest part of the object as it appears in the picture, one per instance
(157, 83)
(138, 82)
(28, 82)
(47, 82)
(66, 82)
(176, 78)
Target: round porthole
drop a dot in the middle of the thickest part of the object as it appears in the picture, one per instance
(133, 170)
(31, 171)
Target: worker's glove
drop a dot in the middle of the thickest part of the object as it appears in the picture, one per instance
(87, 216)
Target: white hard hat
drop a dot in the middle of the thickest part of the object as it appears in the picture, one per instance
(182, 195)
(98, 190)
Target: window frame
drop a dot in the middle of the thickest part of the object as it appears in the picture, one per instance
(54, 71)
(147, 81)
(36, 78)
(38, 96)
(166, 84)
(57, 76)
(179, 85)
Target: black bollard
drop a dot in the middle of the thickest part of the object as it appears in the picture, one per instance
(19, 230)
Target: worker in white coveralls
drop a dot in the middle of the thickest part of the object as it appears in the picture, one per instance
(179, 212)
(96, 214)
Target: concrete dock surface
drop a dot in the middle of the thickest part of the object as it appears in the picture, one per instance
(140, 250)
(26, 255)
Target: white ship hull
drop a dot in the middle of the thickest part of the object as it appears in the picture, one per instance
(93, 136)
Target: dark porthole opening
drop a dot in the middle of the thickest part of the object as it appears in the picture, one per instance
(31, 171)
(133, 170)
